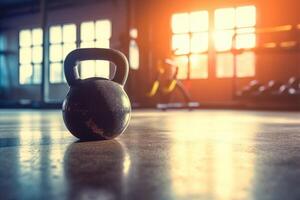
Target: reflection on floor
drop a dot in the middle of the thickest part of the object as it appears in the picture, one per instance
(201, 154)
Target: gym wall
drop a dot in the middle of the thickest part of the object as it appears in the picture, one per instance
(116, 11)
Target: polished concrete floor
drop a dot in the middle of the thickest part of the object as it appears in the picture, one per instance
(204, 154)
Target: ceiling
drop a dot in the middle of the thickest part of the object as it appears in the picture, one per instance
(16, 3)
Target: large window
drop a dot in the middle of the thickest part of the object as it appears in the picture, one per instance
(235, 28)
(190, 44)
(30, 56)
(95, 34)
(62, 41)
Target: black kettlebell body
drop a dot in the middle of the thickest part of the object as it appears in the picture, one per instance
(96, 108)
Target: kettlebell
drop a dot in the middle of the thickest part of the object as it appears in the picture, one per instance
(96, 108)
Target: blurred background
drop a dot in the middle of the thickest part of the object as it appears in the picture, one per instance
(211, 54)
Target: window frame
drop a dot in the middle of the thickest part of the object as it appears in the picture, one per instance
(32, 83)
(190, 33)
(211, 43)
(49, 44)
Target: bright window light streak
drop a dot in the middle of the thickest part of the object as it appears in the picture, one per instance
(55, 72)
(55, 34)
(25, 38)
(199, 64)
(225, 18)
(102, 69)
(199, 42)
(87, 31)
(69, 33)
(245, 16)
(25, 55)
(199, 21)
(223, 40)
(87, 69)
(181, 44)
(182, 63)
(25, 74)
(245, 41)
(180, 23)
(224, 65)
(37, 54)
(37, 73)
(37, 36)
(103, 29)
(245, 64)
(55, 53)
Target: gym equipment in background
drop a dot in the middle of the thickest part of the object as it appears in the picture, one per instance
(266, 91)
(166, 87)
(272, 91)
(96, 108)
(249, 90)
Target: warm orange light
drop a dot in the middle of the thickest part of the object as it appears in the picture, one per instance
(288, 44)
(225, 18)
(245, 64)
(182, 63)
(270, 45)
(199, 66)
(245, 16)
(199, 42)
(245, 41)
(181, 44)
(199, 21)
(180, 23)
(224, 65)
(223, 40)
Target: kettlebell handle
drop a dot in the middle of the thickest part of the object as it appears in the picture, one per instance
(114, 56)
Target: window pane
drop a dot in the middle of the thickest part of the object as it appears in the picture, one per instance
(181, 44)
(199, 42)
(25, 55)
(25, 74)
(225, 65)
(103, 29)
(102, 43)
(67, 48)
(245, 64)
(37, 54)
(199, 21)
(37, 73)
(182, 63)
(134, 55)
(180, 23)
(245, 16)
(25, 38)
(69, 33)
(199, 66)
(87, 31)
(102, 69)
(245, 41)
(56, 72)
(55, 34)
(37, 36)
(55, 53)
(87, 45)
(87, 69)
(225, 18)
(223, 40)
